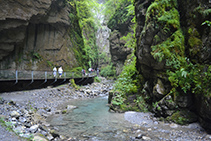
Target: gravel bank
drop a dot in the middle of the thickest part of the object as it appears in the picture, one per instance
(28, 110)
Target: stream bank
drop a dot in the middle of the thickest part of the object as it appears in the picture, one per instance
(27, 111)
(31, 113)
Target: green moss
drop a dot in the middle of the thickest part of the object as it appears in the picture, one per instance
(121, 11)
(50, 64)
(72, 82)
(195, 44)
(166, 16)
(194, 41)
(97, 79)
(125, 86)
(170, 19)
(172, 49)
(64, 111)
(129, 107)
(157, 38)
(164, 11)
(183, 117)
(141, 104)
(108, 70)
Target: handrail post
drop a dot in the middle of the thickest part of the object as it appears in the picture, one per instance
(64, 76)
(55, 79)
(32, 76)
(45, 76)
(16, 75)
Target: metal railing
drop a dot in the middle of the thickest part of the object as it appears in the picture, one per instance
(22, 74)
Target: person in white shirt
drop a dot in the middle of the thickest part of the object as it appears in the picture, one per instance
(54, 71)
(60, 71)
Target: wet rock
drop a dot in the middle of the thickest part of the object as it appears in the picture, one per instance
(184, 100)
(139, 136)
(44, 128)
(208, 137)
(22, 119)
(88, 91)
(24, 111)
(1, 100)
(39, 138)
(159, 90)
(183, 117)
(54, 133)
(146, 138)
(62, 137)
(20, 129)
(126, 130)
(173, 125)
(26, 135)
(50, 137)
(12, 103)
(13, 119)
(33, 128)
(14, 114)
(96, 93)
(70, 107)
(58, 112)
(28, 124)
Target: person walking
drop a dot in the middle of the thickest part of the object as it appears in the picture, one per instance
(83, 72)
(90, 70)
(98, 71)
(60, 71)
(54, 71)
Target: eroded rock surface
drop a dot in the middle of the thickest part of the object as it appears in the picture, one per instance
(34, 34)
(155, 33)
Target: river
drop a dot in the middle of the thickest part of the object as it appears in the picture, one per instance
(93, 122)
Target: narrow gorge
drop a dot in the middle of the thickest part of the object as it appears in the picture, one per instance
(156, 52)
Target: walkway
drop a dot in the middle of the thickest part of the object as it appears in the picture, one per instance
(14, 80)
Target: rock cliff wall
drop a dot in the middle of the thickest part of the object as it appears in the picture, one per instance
(172, 51)
(34, 34)
(119, 27)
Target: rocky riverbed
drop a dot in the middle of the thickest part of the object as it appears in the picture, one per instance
(26, 111)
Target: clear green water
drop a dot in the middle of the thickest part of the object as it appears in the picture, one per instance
(92, 121)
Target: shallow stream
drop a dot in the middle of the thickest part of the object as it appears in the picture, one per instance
(92, 121)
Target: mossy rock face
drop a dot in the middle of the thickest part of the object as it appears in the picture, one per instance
(72, 82)
(1, 100)
(124, 107)
(194, 42)
(183, 117)
(110, 97)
